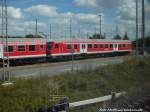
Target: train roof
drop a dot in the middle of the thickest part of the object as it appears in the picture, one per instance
(60, 40)
(87, 40)
(23, 39)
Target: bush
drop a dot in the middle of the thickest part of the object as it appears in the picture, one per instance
(34, 93)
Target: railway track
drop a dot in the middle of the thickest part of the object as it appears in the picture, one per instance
(55, 63)
(143, 103)
(62, 67)
(136, 101)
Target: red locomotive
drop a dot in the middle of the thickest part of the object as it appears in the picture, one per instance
(31, 50)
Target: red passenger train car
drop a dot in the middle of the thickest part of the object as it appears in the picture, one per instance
(89, 47)
(23, 50)
(32, 50)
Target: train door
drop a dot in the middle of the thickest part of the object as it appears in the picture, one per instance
(115, 47)
(83, 48)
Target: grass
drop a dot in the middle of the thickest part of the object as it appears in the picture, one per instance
(28, 95)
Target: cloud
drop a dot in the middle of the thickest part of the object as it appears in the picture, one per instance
(127, 11)
(105, 4)
(79, 18)
(43, 10)
(86, 18)
(60, 21)
(125, 8)
(86, 3)
(127, 15)
(13, 12)
(86, 22)
(63, 18)
(15, 17)
(51, 12)
(23, 27)
(124, 11)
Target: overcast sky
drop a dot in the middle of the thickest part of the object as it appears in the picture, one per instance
(83, 13)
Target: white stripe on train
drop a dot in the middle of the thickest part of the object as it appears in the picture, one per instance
(27, 56)
(90, 52)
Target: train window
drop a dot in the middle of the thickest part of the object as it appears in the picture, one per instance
(115, 45)
(106, 45)
(123, 45)
(68, 46)
(89, 45)
(111, 46)
(21, 48)
(75, 46)
(10, 49)
(95, 46)
(41, 48)
(56, 46)
(120, 45)
(83, 46)
(32, 48)
(101, 45)
(49, 45)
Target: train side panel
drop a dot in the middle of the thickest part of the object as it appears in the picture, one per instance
(26, 51)
(88, 48)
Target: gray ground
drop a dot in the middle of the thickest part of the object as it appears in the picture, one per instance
(61, 67)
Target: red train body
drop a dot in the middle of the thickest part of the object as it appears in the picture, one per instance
(35, 49)
(88, 47)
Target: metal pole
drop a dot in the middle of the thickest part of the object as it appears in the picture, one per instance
(104, 35)
(143, 25)
(36, 27)
(65, 27)
(70, 28)
(72, 61)
(50, 33)
(116, 29)
(95, 30)
(87, 35)
(6, 31)
(6, 70)
(3, 77)
(79, 32)
(136, 27)
(65, 32)
(100, 25)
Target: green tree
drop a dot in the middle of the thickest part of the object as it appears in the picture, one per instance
(125, 37)
(33, 36)
(117, 37)
(97, 36)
